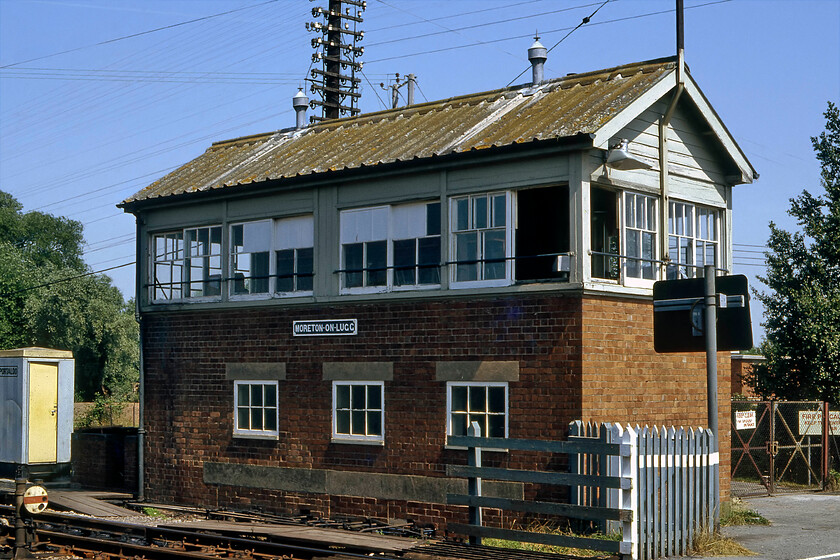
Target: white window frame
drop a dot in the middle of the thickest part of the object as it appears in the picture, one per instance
(692, 213)
(179, 260)
(484, 384)
(342, 437)
(454, 231)
(302, 238)
(388, 227)
(642, 226)
(263, 433)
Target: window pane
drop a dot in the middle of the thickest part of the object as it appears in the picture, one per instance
(462, 214)
(496, 425)
(429, 260)
(482, 423)
(633, 250)
(304, 279)
(496, 399)
(480, 211)
(357, 396)
(285, 270)
(648, 252)
(256, 395)
(374, 397)
(374, 423)
(478, 399)
(499, 213)
(342, 421)
(466, 250)
(651, 214)
(404, 261)
(259, 273)
(241, 266)
(271, 419)
(357, 419)
(243, 418)
(494, 249)
(459, 399)
(459, 424)
(711, 253)
(640, 212)
(256, 419)
(353, 261)
(270, 399)
(243, 392)
(236, 237)
(433, 218)
(342, 396)
(377, 252)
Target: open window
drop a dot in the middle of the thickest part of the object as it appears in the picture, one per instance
(272, 257)
(604, 234)
(542, 233)
(186, 264)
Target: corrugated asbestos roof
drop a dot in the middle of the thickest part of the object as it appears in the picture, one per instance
(560, 108)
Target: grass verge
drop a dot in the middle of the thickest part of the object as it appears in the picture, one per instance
(708, 543)
(554, 549)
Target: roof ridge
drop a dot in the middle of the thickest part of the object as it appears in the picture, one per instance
(436, 104)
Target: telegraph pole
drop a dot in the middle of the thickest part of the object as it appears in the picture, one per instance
(337, 50)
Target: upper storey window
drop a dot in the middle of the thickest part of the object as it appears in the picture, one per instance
(640, 237)
(272, 257)
(692, 239)
(624, 230)
(481, 239)
(390, 247)
(187, 264)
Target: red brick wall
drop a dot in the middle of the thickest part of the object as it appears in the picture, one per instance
(625, 380)
(189, 403)
(742, 368)
(105, 458)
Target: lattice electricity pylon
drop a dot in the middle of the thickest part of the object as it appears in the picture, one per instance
(336, 83)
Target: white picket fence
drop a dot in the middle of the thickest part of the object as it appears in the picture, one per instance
(673, 474)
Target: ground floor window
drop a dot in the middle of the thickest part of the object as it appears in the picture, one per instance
(255, 403)
(485, 403)
(358, 411)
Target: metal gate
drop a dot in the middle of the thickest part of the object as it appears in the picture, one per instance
(778, 446)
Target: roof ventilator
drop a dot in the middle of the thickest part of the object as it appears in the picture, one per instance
(300, 102)
(537, 54)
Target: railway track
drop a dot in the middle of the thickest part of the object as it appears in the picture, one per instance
(59, 535)
(72, 535)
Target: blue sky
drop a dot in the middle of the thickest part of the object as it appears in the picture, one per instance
(95, 105)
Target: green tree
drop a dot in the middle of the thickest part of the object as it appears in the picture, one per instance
(48, 297)
(802, 308)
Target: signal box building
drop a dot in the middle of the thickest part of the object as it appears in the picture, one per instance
(321, 306)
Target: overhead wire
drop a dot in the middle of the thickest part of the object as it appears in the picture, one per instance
(516, 37)
(374, 89)
(583, 22)
(67, 279)
(482, 24)
(384, 3)
(133, 35)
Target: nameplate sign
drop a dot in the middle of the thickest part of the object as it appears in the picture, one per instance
(325, 327)
(8, 371)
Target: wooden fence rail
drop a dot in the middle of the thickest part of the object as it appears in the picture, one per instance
(656, 486)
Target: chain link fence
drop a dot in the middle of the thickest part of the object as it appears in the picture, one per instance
(778, 447)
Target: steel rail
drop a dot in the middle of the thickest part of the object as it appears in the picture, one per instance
(131, 539)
